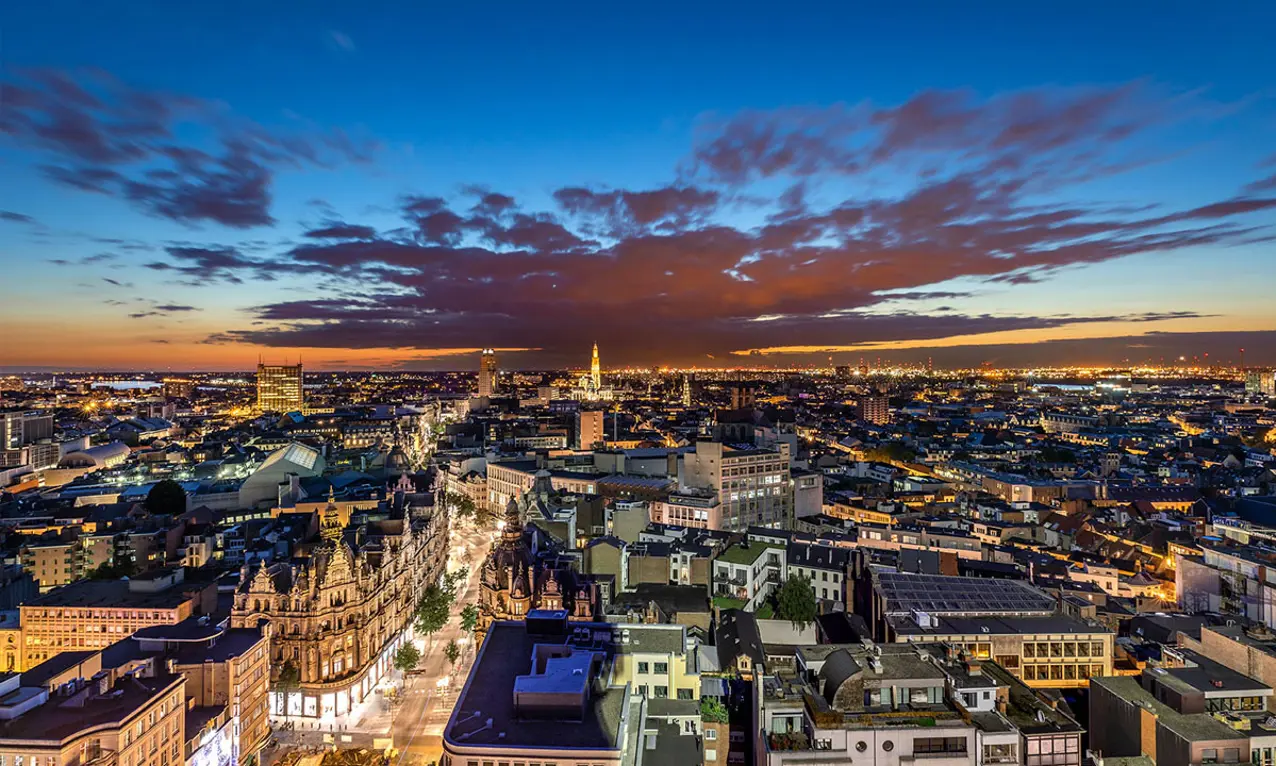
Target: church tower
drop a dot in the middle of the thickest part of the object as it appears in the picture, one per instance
(595, 370)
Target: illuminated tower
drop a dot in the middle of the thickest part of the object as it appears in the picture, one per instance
(279, 387)
(487, 373)
(595, 371)
(686, 390)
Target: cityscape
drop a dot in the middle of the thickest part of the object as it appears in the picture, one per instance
(412, 385)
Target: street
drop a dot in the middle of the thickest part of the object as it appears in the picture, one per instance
(414, 720)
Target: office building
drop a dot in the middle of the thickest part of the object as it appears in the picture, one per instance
(93, 614)
(754, 486)
(544, 690)
(590, 430)
(487, 375)
(19, 428)
(279, 388)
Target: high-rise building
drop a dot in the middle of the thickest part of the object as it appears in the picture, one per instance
(874, 408)
(589, 429)
(22, 427)
(595, 370)
(487, 373)
(1261, 382)
(279, 388)
(686, 390)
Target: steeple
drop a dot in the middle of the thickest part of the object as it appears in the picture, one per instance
(595, 371)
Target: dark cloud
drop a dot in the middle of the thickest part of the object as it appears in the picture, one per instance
(338, 230)
(809, 278)
(204, 264)
(94, 133)
(624, 212)
(174, 307)
(1022, 133)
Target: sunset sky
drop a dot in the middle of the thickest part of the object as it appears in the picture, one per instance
(192, 185)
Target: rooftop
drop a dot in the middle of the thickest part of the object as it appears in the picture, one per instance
(485, 711)
(943, 594)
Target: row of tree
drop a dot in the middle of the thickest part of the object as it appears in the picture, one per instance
(432, 612)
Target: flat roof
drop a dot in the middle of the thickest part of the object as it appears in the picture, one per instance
(940, 594)
(489, 695)
(115, 593)
(53, 721)
(995, 625)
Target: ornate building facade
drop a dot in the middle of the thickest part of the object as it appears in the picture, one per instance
(513, 581)
(338, 615)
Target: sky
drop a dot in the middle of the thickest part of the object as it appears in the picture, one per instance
(395, 186)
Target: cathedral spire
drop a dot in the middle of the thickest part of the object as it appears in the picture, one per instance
(595, 370)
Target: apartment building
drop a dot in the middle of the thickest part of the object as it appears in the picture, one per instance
(77, 712)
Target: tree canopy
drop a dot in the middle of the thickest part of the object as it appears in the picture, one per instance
(469, 618)
(433, 609)
(120, 568)
(166, 498)
(796, 602)
(407, 657)
(452, 651)
(289, 675)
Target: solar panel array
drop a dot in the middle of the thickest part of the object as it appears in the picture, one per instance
(939, 594)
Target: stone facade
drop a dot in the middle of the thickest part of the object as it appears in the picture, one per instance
(512, 582)
(338, 615)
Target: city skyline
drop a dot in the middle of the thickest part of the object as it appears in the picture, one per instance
(400, 191)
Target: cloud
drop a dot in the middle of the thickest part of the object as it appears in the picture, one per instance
(1024, 133)
(175, 307)
(11, 217)
(338, 230)
(201, 265)
(93, 133)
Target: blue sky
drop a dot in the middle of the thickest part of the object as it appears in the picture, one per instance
(526, 100)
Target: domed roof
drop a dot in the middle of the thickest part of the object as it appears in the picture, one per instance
(397, 461)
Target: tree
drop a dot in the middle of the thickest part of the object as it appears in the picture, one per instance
(121, 568)
(796, 602)
(432, 610)
(289, 675)
(166, 498)
(469, 618)
(891, 452)
(452, 652)
(407, 657)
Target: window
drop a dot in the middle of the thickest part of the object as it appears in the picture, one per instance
(861, 746)
(685, 694)
(1096, 649)
(939, 745)
(644, 668)
(710, 734)
(1209, 755)
(660, 692)
(662, 668)
(711, 755)
(888, 746)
